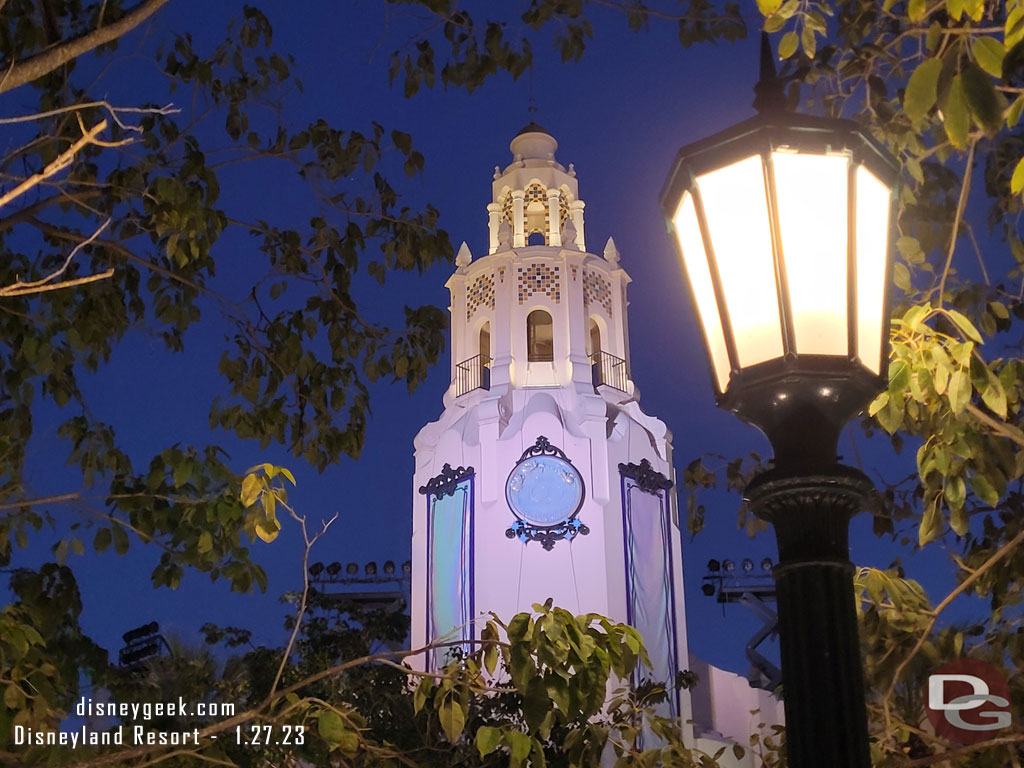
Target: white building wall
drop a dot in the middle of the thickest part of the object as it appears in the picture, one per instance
(598, 429)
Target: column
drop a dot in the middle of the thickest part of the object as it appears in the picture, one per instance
(493, 222)
(554, 219)
(576, 211)
(518, 219)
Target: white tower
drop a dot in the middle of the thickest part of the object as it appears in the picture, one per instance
(542, 477)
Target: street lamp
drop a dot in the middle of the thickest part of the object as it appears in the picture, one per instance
(783, 223)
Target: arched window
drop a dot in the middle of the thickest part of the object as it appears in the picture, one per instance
(536, 238)
(485, 342)
(540, 341)
(595, 339)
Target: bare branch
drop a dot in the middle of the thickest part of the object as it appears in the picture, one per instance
(113, 111)
(1012, 738)
(46, 61)
(21, 288)
(62, 161)
(73, 496)
(307, 546)
(965, 190)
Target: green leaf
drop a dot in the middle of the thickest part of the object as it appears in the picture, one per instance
(899, 377)
(487, 739)
(267, 530)
(984, 490)
(959, 521)
(912, 317)
(14, 698)
(986, 104)
(102, 540)
(1014, 28)
(1013, 115)
(120, 540)
(959, 390)
(420, 696)
(965, 325)
(330, 725)
(1017, 180)
(989, 53)
(788, 44)
(908, 247)
(536, 703)
(956, 119)
(931, 524)
(519, 747)
(251, 487)
(941, 380)
(808, 41)
(994, 396)
(520, 628)
(205, 543)
(891, 417)
(182, 473)
(921, 91)
(878, 403)
(901, 276)
(916, 10)
(453, 719)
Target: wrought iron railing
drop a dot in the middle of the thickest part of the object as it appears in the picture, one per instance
(474, 373)
(609, 370)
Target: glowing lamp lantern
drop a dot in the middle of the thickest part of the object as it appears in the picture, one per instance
(783, 224)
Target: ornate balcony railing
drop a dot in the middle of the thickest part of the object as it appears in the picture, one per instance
(474, 373)
(609, 370)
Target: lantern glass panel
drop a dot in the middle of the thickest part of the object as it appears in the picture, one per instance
(811, 197)
(696, 262)
(873, 198)
(736, 211)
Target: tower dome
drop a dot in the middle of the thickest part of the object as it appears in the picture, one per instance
(533, 143)
(535, 199)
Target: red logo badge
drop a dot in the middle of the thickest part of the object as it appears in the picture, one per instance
(968, 700)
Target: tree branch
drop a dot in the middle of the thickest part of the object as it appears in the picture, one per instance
(961, 204)
(50, 59)
(20, 288)
(62, 161)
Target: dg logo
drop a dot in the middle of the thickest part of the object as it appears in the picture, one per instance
(968, 700)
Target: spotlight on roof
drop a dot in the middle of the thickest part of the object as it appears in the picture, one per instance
(407, 567)
(334, 568)
(747, 565)
(728, 566)
(766, 565)
(389, 566)
(352, 569)
(714, 566)
(316, 569)
(708, 589)
(371, 568)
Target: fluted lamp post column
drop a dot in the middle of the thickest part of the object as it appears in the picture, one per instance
(783, 223)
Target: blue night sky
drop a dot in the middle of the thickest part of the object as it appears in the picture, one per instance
(619, 115)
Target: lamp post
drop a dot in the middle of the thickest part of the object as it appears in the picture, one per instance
(783, 223)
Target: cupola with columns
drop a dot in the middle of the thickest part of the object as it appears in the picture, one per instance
(537, 277)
